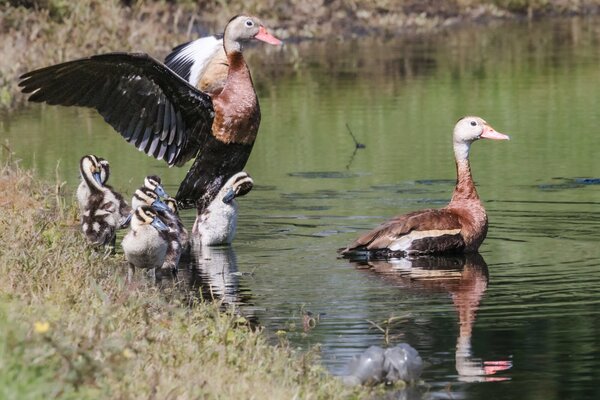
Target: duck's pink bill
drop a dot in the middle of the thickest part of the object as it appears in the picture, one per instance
(490, 133)
(266, 37)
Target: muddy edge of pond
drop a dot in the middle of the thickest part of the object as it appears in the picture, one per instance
(52, 31)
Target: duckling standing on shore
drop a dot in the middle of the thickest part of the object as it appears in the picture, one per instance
(100, 214)
(124, 208)
(88, 166)
(99, 169)
(145, 245)
(217, 224)
(145, 196)
(175, 222)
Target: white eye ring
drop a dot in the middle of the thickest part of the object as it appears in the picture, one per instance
(249, 23)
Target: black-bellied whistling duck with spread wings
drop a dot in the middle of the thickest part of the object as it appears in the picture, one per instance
(459, 227)
(162, 114)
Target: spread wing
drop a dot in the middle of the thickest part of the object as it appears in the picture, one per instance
(190, 60)
(146, 102)
(412, 232)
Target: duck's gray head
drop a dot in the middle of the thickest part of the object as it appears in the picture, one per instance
(243, 28)
(469, 129)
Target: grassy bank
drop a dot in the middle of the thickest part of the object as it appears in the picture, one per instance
(71, 328)
(35, 33)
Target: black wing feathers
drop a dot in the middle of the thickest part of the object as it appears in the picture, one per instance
(148, 104)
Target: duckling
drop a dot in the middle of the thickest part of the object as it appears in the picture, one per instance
(100, 215)
(124, 208)
(149, 197)
(154, 183)
(99, 169)
(88, 166)
(176, 223)
(145, 196)
(217, 224)
(145, 245)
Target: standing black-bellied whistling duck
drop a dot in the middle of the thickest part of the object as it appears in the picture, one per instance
(164, 116)
(459, 227)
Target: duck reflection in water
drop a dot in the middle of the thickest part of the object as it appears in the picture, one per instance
(211, 273)
(465, 278)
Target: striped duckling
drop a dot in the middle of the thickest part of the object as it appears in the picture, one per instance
(100, 214)
(154, 183)
(88, 165)
(146, 243)
(217, 224)
(124, 208)
(174, 222)
(99, 168)
(145, 196)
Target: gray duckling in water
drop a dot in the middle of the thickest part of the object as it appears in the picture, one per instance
(218, 223)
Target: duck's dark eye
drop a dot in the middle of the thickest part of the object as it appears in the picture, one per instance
(473, 123)
(249, 23)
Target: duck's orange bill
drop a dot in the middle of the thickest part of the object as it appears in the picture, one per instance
(490, 133)
(266, 37)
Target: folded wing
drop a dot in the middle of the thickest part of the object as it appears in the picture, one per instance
(427, 231)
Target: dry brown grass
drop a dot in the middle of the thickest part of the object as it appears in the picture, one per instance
(31, 39)
(57, 30)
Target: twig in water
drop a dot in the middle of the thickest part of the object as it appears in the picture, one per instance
(357, 146)
(356, 143)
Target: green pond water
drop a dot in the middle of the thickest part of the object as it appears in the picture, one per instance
(531, 299)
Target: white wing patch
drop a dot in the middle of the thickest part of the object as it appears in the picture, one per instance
(190, 60)
(405, 242)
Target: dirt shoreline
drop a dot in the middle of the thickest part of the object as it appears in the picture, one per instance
(35, 37)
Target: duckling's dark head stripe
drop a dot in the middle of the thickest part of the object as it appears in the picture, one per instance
(139, 214)
(243, 185)
(91, 158)
(153, 180)
(144, 194)
(241, 177)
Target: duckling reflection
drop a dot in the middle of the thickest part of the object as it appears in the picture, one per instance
(212, 274)
(465, 277)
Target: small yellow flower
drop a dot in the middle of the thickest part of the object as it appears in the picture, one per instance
(128, 353)
(41, 327)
